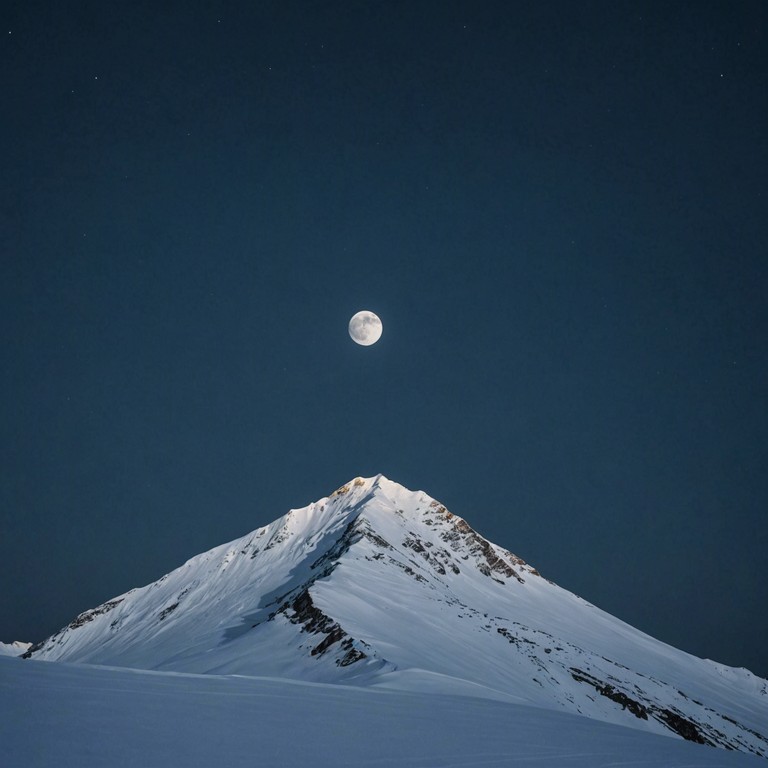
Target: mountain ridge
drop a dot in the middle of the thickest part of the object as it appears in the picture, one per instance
(377, 585)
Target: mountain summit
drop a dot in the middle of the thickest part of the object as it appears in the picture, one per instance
(377, 585)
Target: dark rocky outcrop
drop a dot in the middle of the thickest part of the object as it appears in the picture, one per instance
(679, 724)
(168, 610)
(87, 616)
(488, 561)
(610, 692)
(302, 610)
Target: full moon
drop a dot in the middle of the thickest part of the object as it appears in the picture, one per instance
(365, 328)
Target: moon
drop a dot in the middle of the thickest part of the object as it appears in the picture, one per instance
(365, 328)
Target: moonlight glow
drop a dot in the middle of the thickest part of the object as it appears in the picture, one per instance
(365, 328)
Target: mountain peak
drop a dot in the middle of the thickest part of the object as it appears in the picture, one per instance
(376, 584)
(363, 487)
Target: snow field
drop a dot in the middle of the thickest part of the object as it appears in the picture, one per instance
(54, 714)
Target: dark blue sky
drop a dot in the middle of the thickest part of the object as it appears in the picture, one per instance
(557, 209)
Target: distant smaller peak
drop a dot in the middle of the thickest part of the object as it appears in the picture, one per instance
(16, 648)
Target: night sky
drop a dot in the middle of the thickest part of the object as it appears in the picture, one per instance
(558, 210)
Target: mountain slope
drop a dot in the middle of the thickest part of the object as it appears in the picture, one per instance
(377, 585)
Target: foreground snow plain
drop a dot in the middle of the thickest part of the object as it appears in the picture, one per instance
(84, 716)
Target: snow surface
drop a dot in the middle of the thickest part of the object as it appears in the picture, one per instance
(61, 715)
(381, 587)
(16, 648)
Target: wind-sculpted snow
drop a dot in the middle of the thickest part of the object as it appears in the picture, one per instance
(80, 716)
(375, 581)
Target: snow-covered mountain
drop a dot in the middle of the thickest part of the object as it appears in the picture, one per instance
(16, 648)
(380, 586)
